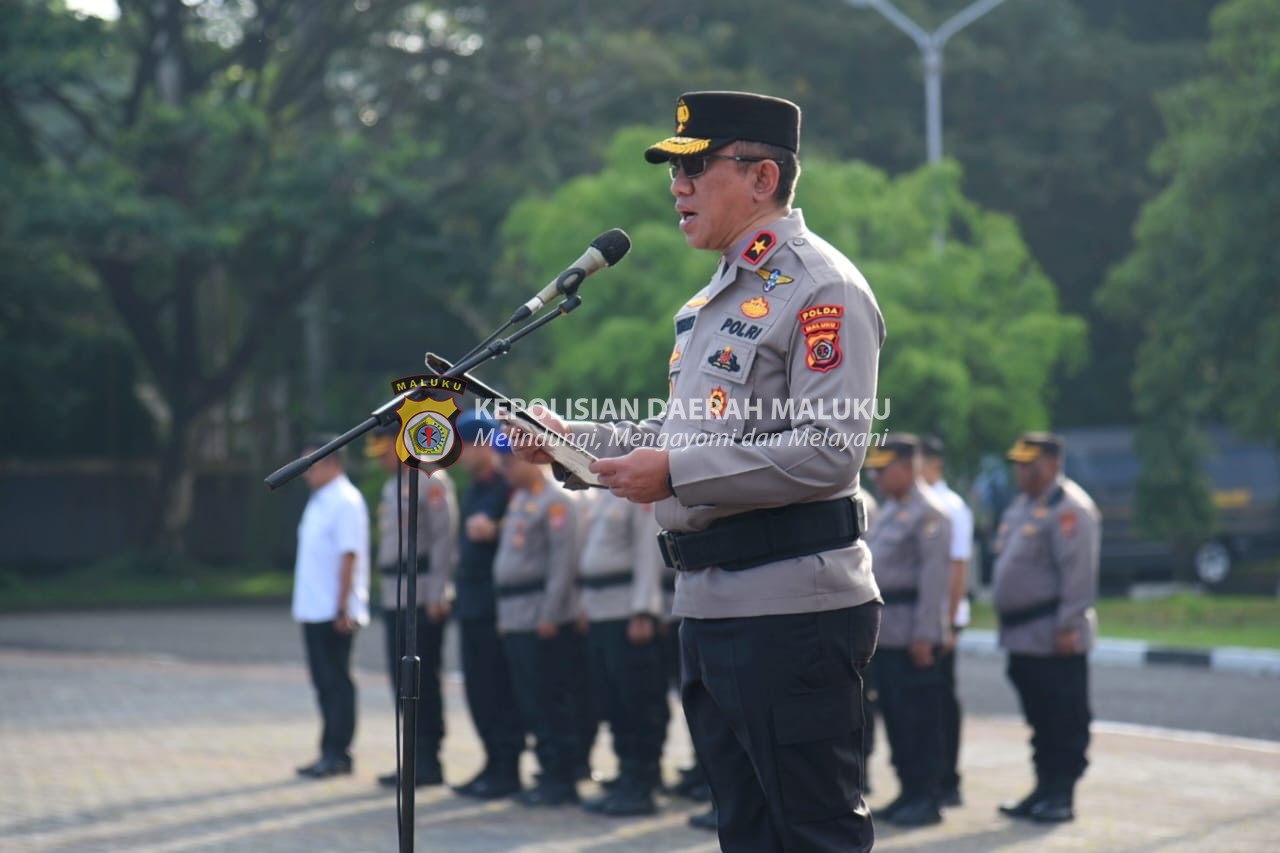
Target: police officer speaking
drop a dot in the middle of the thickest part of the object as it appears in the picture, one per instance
(1046, 582)
(775, 587)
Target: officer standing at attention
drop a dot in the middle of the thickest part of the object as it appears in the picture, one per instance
(1045, 586)
(910, 546)
(437, 550)
(620, 583)
(958, 612)
(485, 671)
(534, 579)
(755, 480)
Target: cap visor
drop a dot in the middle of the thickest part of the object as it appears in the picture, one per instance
(677, 146)
(877, 458)
(1022, 454)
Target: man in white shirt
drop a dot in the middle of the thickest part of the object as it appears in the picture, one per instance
(331, 600)
(957, 610)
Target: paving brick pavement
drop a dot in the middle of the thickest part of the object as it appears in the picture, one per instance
(126, 751)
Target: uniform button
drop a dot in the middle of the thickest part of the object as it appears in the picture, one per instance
(798, 241)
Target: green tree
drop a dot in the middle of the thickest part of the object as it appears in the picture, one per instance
(202, 168)
(1200, 283)
(974, 330)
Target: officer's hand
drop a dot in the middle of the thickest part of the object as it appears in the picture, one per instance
(640, 476)
(921, 654)
(344, 624)
(547, 630)
(949, 642)
(582, 624)
(640, 629)
(481, 528)
(1067, 643)
(525, 444)
(438, 612)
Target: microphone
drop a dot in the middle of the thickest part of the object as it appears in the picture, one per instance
(604, 251)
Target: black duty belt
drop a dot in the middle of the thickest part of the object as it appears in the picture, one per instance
(602, 581)
(1023, 615)
(905, 595)
(513, 589)
(669, 584)
(766, 536)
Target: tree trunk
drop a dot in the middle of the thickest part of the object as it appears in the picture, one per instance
(174, 489)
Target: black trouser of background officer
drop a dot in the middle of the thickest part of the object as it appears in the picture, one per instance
(329, 661)
(630, 688)
(492, 701)
(1054, 692)
(774, 705)
(430, 725)
(542, 673)
(949, 774)
(911, 706)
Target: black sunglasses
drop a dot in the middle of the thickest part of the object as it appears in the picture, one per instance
(695, 164)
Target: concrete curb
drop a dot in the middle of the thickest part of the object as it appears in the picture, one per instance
(1117, 652)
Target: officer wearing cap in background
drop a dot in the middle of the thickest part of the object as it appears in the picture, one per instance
(437, 556)
(911, 546)
(957, 610)
(486, 674)
(779, 604)
(1044, 589)
(534, 574)
(620, 591)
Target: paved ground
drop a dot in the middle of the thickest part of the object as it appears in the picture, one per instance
(182, 735)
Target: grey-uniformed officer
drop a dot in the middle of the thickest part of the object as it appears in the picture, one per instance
(620, 591)
(437, 556)
(754, 468)
(1045, 586)
(910, 545)
(534, 574)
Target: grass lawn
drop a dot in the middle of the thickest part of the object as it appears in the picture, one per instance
(127, 582)
(1182, 620)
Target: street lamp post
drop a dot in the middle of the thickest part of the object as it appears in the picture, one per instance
(931, 45)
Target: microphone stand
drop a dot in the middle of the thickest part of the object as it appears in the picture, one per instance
(410, 672)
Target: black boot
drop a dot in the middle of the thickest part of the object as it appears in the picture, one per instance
(1056, 806)
(498, 779)
(1022, 808)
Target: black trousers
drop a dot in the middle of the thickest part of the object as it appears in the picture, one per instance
(774, 704)
(490, 697)
(911, 705)
(587, 712)
(542, 673)
(430, 727)
(1054, 693)
(630, 686)
(329, 662)
(951, 717)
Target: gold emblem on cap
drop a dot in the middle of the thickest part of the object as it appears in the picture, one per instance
(682, 115)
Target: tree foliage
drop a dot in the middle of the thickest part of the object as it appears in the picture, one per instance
(1201, 281)
(974, 329)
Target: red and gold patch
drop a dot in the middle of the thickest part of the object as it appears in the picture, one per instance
(557, 515)
(717, 402)
(821, 327)
(675, 356)
(1067, 523)
(759, 247)
(756, 307)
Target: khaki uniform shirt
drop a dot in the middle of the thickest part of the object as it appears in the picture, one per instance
(621, 543)
(911, 546)
(538, 547)
(773, 380)
(437, 537)
(1047, 549)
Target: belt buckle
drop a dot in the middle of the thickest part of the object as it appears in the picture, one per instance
(671, 550)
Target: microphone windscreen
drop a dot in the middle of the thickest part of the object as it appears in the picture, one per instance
(613, 244)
